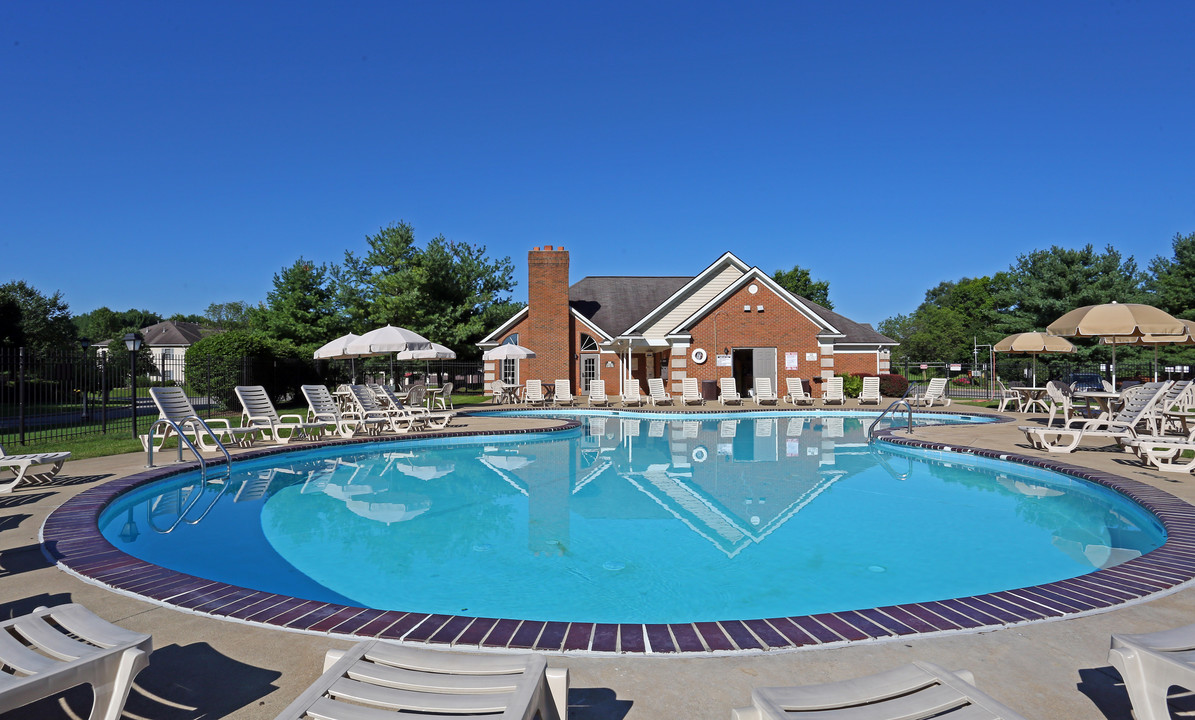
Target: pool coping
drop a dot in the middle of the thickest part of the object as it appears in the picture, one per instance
(70, 537)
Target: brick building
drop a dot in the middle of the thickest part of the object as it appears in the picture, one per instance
(731, 320)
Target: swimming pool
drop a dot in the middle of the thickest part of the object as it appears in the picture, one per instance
(633, 519)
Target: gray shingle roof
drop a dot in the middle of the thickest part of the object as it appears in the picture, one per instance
(173, 333)
(615, 303)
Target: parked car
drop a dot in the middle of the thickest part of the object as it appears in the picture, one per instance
(1084, 381)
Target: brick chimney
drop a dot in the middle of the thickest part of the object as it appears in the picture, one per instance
(547, 316)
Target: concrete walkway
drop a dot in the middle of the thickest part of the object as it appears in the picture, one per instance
(208, 668)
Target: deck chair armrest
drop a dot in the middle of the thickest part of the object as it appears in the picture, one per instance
(297, 419)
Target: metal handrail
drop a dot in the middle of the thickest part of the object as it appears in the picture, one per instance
(182, 438)
(903, 400)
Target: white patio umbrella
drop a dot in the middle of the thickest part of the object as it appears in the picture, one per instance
(1116, 320)
(388, 339)
(337, 349)
(435, 352)
(508, 352)
(1034, 343)
(1155, 340)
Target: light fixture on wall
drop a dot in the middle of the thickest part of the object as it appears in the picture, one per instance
(725, 351)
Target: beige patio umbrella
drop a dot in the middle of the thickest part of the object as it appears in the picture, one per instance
(1155, 340)
(1034, 343)
(1116, 320)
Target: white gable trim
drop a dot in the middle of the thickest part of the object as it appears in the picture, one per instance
(756, 275)
(727, 258)
(591, 325)
(504, 327)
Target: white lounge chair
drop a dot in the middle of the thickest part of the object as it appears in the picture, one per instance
(796, 392)
(433, 419)
(597, 393)
(50, 463)
(374, 676)
(832, 391)
(631, 396)
(173, 405)
(871, 391)
(533, 393)
(729, 392)
(52, 650)
(1150, 664)
(910, 692)
(258, 411)
(562, 393)
(1122, 427)
(1061, 402)
(658, 395)
(373, 417)
(935, 392)
(322, 408)
(764, 394)
(690, 395)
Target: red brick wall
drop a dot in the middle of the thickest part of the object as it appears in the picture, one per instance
(547, 327)
(779, 325)
(846, 363)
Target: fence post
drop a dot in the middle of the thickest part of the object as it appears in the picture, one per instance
(104, 394)
(21, 398)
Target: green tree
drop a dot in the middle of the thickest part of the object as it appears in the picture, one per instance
(931, 333)
(301, 308)
(191, 318)
(45, 321)
(447, 291)
(1172, 280)
(235, 315)
(105, 324)
(799, 282)
(1043, 285)
(216, 364)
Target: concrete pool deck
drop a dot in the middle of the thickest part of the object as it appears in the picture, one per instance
(205, 667)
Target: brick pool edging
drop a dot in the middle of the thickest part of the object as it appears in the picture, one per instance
(71, 538)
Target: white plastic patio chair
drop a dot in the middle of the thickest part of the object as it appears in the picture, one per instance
(1010, 396)
(910, 692)
(728, 392)
(173, 405)
(631, 396)
(934, 392)
(52, 650)
(533, 393)
(796, 392)
(322, 408)
(690, 394)
(764, 394)
(258, 411)
(1121, 428)
(832, 391)
(373, 677)
(658, 395)
(19, 465)
(597, 393)
(871, 391)
(562, 393)
(1150, 664)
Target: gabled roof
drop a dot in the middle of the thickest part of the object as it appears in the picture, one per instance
(173, 333)
(615, 303)
(755, 275)
(853, 333)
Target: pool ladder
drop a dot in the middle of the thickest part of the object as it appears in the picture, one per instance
(892, 409)
(196, 422)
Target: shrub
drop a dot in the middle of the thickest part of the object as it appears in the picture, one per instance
(893, 385)
(218, 363)
(852, 385)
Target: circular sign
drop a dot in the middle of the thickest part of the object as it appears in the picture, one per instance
(699, 356)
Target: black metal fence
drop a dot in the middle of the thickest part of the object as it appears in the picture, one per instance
(977, 381)
(50, 396)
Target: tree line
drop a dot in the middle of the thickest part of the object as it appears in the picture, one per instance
(450, 292)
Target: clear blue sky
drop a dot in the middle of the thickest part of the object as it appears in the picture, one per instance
(167, 156)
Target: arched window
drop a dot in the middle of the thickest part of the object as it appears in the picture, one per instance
(512, 340)
(588, 344)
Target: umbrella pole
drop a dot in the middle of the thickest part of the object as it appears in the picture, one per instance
(1155, 362)
(1034, 370)
(1113, 366)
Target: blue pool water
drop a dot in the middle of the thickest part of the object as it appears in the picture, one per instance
(632, 519)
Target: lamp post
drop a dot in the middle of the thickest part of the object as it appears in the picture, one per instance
(84, 344)
(132, 341)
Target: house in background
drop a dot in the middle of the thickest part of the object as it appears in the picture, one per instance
(168, 342)
(731, 320)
